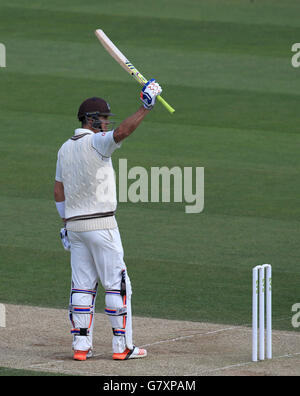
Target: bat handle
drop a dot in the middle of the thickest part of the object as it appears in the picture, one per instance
(164, 103)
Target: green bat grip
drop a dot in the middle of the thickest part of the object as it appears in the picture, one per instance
(164, 103)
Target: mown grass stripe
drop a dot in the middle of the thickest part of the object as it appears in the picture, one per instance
(183, 35)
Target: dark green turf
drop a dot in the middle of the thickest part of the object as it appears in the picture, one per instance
(7, 372)
(226, 68)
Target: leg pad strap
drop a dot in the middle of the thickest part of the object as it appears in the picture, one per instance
(116, 311)
(80, 332)
(118, 332)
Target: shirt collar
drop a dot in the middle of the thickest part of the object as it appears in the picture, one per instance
(80, 131)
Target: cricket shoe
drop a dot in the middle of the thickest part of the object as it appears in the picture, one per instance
(82, 355)
(134, 353)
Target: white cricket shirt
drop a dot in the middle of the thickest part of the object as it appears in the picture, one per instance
(81, 163)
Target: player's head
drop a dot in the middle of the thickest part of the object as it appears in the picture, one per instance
(93, 114)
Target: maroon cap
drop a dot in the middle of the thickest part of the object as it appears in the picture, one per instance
(92, 105)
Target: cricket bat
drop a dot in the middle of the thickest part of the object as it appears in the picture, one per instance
(124, 62)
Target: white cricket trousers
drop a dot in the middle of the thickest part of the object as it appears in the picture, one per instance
(95, 255)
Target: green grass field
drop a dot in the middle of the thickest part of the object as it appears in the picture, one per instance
(226, 68)
(5, 372)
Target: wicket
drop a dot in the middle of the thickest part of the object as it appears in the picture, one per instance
(261, 285)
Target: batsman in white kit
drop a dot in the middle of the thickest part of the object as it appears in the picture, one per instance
(85, 196)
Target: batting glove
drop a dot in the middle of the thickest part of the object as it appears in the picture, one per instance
(64, 239)
(149, 93)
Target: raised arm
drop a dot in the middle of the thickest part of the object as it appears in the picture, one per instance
(148, 96)
(130, 124)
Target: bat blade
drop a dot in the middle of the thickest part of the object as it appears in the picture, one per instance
(125, 63)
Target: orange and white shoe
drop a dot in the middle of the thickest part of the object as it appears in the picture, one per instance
(82, 355)
(134, 353)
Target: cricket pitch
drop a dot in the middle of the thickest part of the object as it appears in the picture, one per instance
(39, 339)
